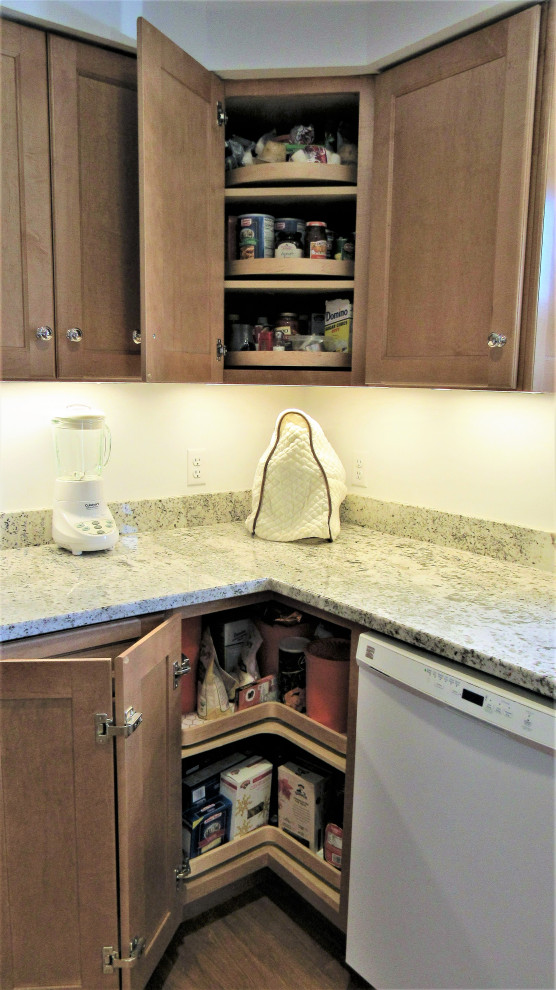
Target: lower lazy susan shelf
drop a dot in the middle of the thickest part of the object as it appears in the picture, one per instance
(267, 847)
(288, 359)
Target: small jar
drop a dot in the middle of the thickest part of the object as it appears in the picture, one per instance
(315, 240)
(289, 237)
(281, 340)
(345, 248)
(330, 241)
(288, 323)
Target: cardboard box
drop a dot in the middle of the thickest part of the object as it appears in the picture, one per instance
(203, 784)
(301, 800)
(254, 694)
(338, 321)
(247, 786)
(229, 640)
(205, 826)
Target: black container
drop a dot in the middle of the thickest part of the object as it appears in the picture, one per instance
(291, 671)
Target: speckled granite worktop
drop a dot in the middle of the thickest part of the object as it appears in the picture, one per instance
(486, 613)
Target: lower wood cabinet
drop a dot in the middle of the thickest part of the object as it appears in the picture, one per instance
(92, 879)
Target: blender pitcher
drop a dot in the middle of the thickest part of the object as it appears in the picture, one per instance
(81, 519)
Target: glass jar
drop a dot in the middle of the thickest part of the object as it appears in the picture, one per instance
(289, 237)
(315, 240)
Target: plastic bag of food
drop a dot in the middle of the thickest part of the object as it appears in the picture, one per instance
(212, 689)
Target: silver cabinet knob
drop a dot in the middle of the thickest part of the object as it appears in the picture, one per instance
(136, 336)
(43, 333)
(496, 340)
(75, 335)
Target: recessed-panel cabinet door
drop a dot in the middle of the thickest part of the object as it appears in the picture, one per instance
(93, 94)
(149, 796)
(58, 876)
(181, 176)
(27, 302)
(452, 145)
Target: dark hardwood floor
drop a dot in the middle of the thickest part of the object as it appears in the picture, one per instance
(267, 938)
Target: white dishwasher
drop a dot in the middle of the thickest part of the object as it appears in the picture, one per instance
(452, 856)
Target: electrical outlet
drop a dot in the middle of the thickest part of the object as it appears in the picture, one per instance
(196, 465)
(359, 474)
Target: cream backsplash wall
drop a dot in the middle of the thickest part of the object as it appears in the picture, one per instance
(487, 455)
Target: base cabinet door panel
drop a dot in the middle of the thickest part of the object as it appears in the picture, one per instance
(59, 897)
(452, 147)
(149, 796)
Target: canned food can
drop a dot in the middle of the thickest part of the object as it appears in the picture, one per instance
(255, 236)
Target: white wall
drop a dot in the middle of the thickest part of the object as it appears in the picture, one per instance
(488, 455)
(228, 35)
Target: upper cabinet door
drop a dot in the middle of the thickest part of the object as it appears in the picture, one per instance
(93, 94)
(149, 796)
(181, 178)
(27, 302)
(452, 147)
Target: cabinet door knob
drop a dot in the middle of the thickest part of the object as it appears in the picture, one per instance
(75, 335)
(496, 340)
(43, 333)
(136, 336)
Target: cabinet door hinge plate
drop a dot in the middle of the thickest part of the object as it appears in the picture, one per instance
(221, 115)
(111, 956)
(182, 872)
(105, 728)
(180, 668)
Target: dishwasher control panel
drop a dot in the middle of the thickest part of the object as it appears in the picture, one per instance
(522, 713)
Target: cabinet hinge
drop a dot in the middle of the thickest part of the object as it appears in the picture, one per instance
(182, 872)
(221, 349)
(221, 115)
(105, 728)
(111, 957)
(180, 668)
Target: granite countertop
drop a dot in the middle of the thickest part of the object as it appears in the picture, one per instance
(492, 615)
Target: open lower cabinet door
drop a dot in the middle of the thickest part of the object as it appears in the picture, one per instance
(181, 201)
(148, 767)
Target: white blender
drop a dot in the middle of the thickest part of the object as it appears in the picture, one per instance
(81, 519)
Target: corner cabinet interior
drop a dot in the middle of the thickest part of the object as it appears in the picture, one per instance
(94, 883)
(335, 194)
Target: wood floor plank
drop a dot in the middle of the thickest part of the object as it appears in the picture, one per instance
(267, 938)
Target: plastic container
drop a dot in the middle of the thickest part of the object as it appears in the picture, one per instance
(327, 676)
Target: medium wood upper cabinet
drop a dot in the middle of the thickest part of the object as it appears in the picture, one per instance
(452, 148)
(93, 99)
(70, 281)
(27, 301)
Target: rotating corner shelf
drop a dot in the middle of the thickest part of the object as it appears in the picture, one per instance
(290, 268)
(289, 172)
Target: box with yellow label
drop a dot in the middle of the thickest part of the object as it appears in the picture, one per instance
(247, 786)
(338, 322)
